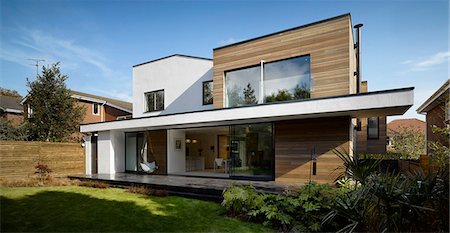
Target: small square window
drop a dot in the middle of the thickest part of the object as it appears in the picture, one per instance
(95, 109)
(207, 92)
(372, 128)
(154, 101)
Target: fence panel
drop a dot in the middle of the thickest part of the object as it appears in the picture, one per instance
(18, 158)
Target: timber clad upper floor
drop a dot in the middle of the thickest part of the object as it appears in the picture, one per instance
(328, 43)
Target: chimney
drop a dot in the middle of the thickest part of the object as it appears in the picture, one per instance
(358, 57)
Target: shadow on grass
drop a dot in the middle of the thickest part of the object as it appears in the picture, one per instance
(56, 211)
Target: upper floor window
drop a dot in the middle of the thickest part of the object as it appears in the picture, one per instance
(287, 79)
(154, 101)
(372, 128)
(207, 92)
(29, 111)
(243, 86)
(95, 109)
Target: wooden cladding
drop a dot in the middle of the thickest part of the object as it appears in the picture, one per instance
(18, 158)
(329, 44)
(158, 144)
(296, 140)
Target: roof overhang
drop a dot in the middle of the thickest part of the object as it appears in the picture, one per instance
(13, 110)
(381, 103)
(434, 100)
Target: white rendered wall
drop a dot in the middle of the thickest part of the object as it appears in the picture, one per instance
(87, 154)
(180, 77)
(176, 159)
(105, 160)
(111, 152)
(118, 150)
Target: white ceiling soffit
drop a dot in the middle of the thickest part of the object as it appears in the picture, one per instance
(381, 103)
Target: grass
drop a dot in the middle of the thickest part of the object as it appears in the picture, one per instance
(84, 209)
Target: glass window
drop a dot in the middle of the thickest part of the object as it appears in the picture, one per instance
(242, 86)
(251, 151)
(95, 109)
(155, 101)
(287, 79)
(207, 92)
(372, 128)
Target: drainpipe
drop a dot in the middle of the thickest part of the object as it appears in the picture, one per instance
(357, 46)
(103, 112)
(261, 84)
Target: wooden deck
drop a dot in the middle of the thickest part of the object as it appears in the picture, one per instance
(196, 187)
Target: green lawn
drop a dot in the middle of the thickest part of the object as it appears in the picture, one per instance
(73, 208)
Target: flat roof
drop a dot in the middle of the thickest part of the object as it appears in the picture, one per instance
(387, 102)
(174, 55)
(286, 30)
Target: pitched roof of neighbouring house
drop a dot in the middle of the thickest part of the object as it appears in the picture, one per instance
(435, 98)
(413, 123)
(115, 103)
(11, 104)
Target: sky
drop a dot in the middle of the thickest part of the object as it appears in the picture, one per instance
(405, 43)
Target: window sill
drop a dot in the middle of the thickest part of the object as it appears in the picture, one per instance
(153, 111)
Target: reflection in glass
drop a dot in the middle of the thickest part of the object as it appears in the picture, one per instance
(207, 92)
(287, 79)
(251, 151)
(242, 86)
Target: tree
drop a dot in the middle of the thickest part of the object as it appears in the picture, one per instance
(234, 99)
(282, 95)
(302, 92)
(10, 132)
(409, 143)
(55, 114)
(249, 95)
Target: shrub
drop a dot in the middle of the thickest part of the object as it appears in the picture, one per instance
(43, 172)
(356, 168)
(396, 203)
(299, 210)
(94, 184)
(32, 182)
(240, 200)
(148, 191)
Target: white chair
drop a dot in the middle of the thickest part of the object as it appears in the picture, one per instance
(149, 167)
(218, 162)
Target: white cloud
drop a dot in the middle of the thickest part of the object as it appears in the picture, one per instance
(115, 94)
(428, 63)
(37, 44)
(228, 41)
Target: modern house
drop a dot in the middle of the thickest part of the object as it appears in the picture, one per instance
(269, 108)
(11, 110)
(437, 111)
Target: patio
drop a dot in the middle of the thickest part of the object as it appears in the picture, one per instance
(196, 187)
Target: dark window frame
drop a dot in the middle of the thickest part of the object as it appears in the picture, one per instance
(93, 109)
(154, 95)
(203, 92)
(378, 129)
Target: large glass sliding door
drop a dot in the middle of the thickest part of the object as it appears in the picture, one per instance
(251, 151)
(134, 144)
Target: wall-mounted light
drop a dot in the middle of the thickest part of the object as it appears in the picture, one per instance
(194, 140)
(188, 140)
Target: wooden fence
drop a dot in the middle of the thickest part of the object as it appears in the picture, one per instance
(19, 158)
